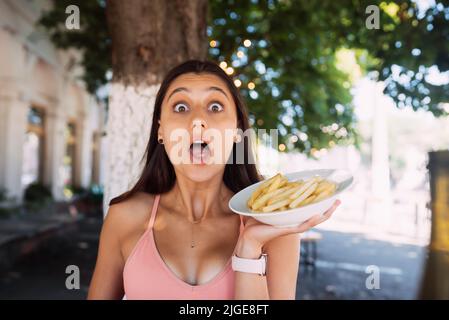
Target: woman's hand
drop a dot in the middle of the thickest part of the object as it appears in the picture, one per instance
(257, 234)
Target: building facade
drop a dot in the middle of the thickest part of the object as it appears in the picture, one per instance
(51, 128)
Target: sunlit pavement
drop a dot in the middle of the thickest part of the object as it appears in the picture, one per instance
(341, 269)
(339, 273)
(359, 236)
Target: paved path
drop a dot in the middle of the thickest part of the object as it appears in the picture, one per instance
(339, 272)
(41, 275)
(343, 258)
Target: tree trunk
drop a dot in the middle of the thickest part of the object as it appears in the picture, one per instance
(148, 38)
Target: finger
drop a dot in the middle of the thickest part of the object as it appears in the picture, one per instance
(335, 204)
(326, 215)
(311, 222)
(281, 231)
(332, 209)
(308, 224)
(314, 220)
(317, 219)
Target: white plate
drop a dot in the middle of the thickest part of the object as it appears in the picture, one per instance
(294, 217)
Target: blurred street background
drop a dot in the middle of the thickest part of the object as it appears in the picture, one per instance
(344, 88)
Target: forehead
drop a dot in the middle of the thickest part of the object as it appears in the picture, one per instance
(198, 82)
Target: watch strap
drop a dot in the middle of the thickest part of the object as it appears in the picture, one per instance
(257, 266)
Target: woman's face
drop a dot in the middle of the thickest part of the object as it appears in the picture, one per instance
(198, 125)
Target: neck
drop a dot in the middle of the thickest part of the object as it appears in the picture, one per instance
(198, 201)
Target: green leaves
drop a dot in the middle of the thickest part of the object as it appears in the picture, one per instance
(300, 84)
(92, 38)
(296, 42)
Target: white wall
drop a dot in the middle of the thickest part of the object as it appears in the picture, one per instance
(34, 73)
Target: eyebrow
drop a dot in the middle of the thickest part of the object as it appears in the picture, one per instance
(177, 90)
(187, 90)
(217, 89)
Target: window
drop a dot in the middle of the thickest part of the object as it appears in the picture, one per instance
(70, 154)
(33, 148)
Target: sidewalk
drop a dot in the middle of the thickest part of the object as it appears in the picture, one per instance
(22, 235)
(41, 274)
(340, 271)
(341, 268)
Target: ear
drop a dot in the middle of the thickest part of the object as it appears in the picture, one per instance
(159, 129)
(237, 135)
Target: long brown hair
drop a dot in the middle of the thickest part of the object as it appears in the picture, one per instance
(158, 175)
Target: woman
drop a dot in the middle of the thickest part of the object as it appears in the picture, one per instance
(172, 235)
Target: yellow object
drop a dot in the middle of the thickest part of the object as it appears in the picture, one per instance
(278, 193)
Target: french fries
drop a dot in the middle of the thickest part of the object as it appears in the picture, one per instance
(278, 194)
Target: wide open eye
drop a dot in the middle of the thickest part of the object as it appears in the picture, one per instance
(215, 107)
(180, 107)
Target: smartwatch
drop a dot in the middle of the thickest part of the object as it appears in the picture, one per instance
(257, 266)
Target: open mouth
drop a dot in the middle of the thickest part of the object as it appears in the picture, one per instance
(199, 152)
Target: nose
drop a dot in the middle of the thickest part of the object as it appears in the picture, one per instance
(198, 123)
(198, 127)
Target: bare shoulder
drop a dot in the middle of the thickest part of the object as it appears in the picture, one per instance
(129, 215)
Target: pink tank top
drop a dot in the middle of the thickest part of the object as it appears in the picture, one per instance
(146, 276)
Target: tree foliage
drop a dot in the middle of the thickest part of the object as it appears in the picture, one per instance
(289, 67)
(92, 39)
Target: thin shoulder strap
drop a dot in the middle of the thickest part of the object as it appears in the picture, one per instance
(153, 211)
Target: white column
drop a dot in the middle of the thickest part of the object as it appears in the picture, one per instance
(54, 152)
(103, 156)
(13, 121)
(380, 206)
(96, 125)
(83, 153)
(101, 143)
(13, 111)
